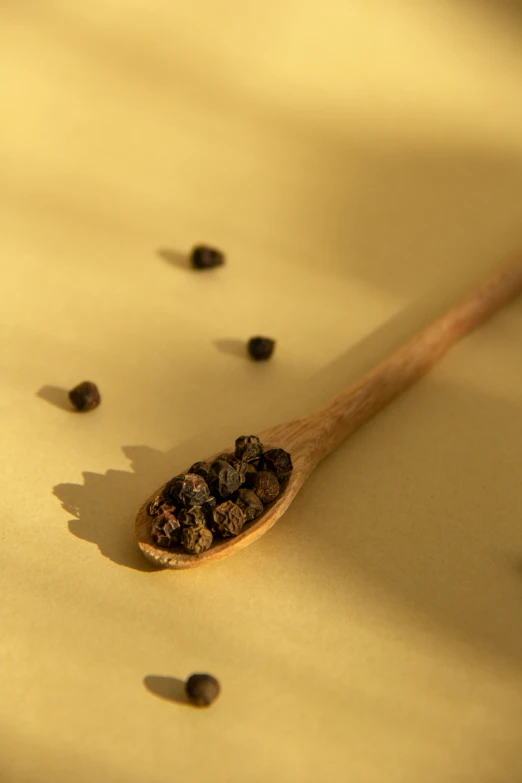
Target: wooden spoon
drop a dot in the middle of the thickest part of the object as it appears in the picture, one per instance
(312, 437)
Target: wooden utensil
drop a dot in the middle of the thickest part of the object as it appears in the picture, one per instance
(312, 437)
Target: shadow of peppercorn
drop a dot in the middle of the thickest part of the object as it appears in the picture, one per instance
(169, 688)
(56, 396)
(232, 346)
(105, 505)
(174, 257)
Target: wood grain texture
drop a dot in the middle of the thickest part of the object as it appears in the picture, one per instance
(312, 437)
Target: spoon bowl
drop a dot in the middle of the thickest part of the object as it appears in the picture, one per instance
(290, 437)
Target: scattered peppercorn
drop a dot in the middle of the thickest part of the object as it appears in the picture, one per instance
(261, 348)
(265, 485)
(219, 498)
(223, 479)
(250, 504)
(187, 490)
(228, 519)
(85, 397)
(203, 257)
(202, 689)
(196, 540)
(277, 461)
(248, 447)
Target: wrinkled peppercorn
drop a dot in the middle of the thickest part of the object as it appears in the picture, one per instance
(187, 490)
(166, 529)
(261, 348)
(277, 461)
(202, 689)
(248, 447)
(85, 397)
(203, 257)
(208, 510)
(196, 540)
(249, 503)
(265, 485)
(192, 517)
(155, 505)
(239, 465)
(200, 469)
(223, 479)
(228, 519)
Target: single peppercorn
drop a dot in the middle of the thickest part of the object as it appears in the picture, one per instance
(166, 529)
(187, 490)
(202, 689)
(248, 447)
(203, 257)
(250, 504)
(239, 465)
(228, 519)
(265, 485)
(196, 540)
(261, 348)
(223, 479)
(200, 469)
(277, 461)
(85, 397)
(192, 517)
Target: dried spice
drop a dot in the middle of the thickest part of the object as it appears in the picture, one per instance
(219, 498)
(202, 689)
(223, 479)
(200, 469)
(196, 540)
(187, 490)
(85, 397)
(265, 485)
(192, 517)
(228, 519)
(203, 257)
(248, 447)
(166, 529)
(261, 348)
(250, 504)
(208, 510)
(277, 461)
(155, 505)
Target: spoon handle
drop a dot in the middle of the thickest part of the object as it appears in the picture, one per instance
(353, 407)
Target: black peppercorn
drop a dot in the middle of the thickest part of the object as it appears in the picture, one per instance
(249, 503)
(196, 540)
(223, 479)
(204, 257)
(85, 397)
(155, 505)
(166, 529)
(192, 517)
(187, 490)
(228, 519)
(248, 447)
(277, 461)
(261, 348)
(265, 485)
(208, 510)
(200, 469)
(239, 465)
(202, 689)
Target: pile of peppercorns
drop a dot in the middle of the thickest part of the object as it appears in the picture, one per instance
(218, 499)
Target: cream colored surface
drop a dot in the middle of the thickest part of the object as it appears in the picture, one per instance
(361, 164)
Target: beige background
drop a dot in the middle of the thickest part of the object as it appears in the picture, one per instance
(361, 163)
